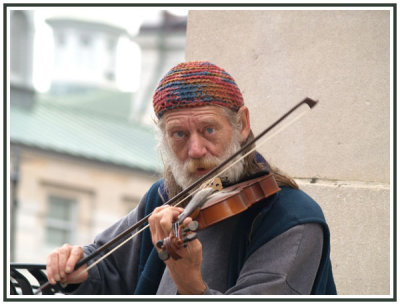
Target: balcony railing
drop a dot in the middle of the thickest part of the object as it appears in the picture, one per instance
(27, 278)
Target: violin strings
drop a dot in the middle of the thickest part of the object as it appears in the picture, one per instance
(201, 186)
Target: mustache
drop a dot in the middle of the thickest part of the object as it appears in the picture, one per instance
(204, 163)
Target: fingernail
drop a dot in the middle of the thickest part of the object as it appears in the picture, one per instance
(68, 269)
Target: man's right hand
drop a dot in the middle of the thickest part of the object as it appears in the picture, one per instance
(60, 265)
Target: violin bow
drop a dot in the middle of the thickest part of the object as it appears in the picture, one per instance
(208, 176)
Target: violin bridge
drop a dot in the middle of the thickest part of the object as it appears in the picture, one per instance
(216, 184)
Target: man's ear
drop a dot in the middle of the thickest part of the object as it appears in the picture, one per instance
(243, 112)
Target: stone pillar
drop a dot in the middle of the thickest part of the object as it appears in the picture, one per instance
(340, 151)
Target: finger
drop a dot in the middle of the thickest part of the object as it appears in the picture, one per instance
(52, 267)
(155, 217)
(63, 255)
(179, 209)
(168, 217)
(163, 212)
(158, 210)
(186, 221)
(166, 207)
(161, 222)
(153, 220)
(75, 255)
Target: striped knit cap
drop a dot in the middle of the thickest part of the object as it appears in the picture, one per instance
(194, 84)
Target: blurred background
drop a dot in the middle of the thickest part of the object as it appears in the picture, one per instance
(83, 145)
(82, 138)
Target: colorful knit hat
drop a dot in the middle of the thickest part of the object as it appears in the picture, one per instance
(193, 84)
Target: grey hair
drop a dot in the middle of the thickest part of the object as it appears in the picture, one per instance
(251, 165)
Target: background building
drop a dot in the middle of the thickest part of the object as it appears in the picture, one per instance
(82, 155)
(81, 161)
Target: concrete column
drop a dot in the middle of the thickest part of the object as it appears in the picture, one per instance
(340, 151)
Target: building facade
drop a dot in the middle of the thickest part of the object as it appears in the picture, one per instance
(80, 156)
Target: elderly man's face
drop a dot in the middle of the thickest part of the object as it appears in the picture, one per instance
(198, 139)
(198, 134)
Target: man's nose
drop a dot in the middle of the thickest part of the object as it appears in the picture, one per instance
(197, 148)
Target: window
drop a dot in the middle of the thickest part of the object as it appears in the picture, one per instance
(109, 75)
(111, 44)
(61, 220)
(19, 31)
(61, 39)
(85, 40)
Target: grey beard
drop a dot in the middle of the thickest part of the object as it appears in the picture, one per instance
(180, 170)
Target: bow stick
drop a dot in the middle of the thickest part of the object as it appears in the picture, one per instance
(216, 171)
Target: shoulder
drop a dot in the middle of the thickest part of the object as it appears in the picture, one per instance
(283, 211)
(156, 187)
(296, 203)
(155, 196)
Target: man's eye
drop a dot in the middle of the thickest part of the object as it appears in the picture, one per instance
(179, 134)
(210, 130)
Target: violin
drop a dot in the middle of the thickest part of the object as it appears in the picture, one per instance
(213, 211)
(219, 206)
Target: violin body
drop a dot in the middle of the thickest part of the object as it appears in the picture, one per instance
(226, 203)
(236, 199)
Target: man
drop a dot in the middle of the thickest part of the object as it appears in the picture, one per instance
(278, 246)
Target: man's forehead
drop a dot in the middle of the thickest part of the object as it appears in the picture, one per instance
(195, 113)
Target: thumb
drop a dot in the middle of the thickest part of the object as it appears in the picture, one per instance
(78, 276)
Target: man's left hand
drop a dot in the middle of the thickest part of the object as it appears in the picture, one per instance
(185, 272)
